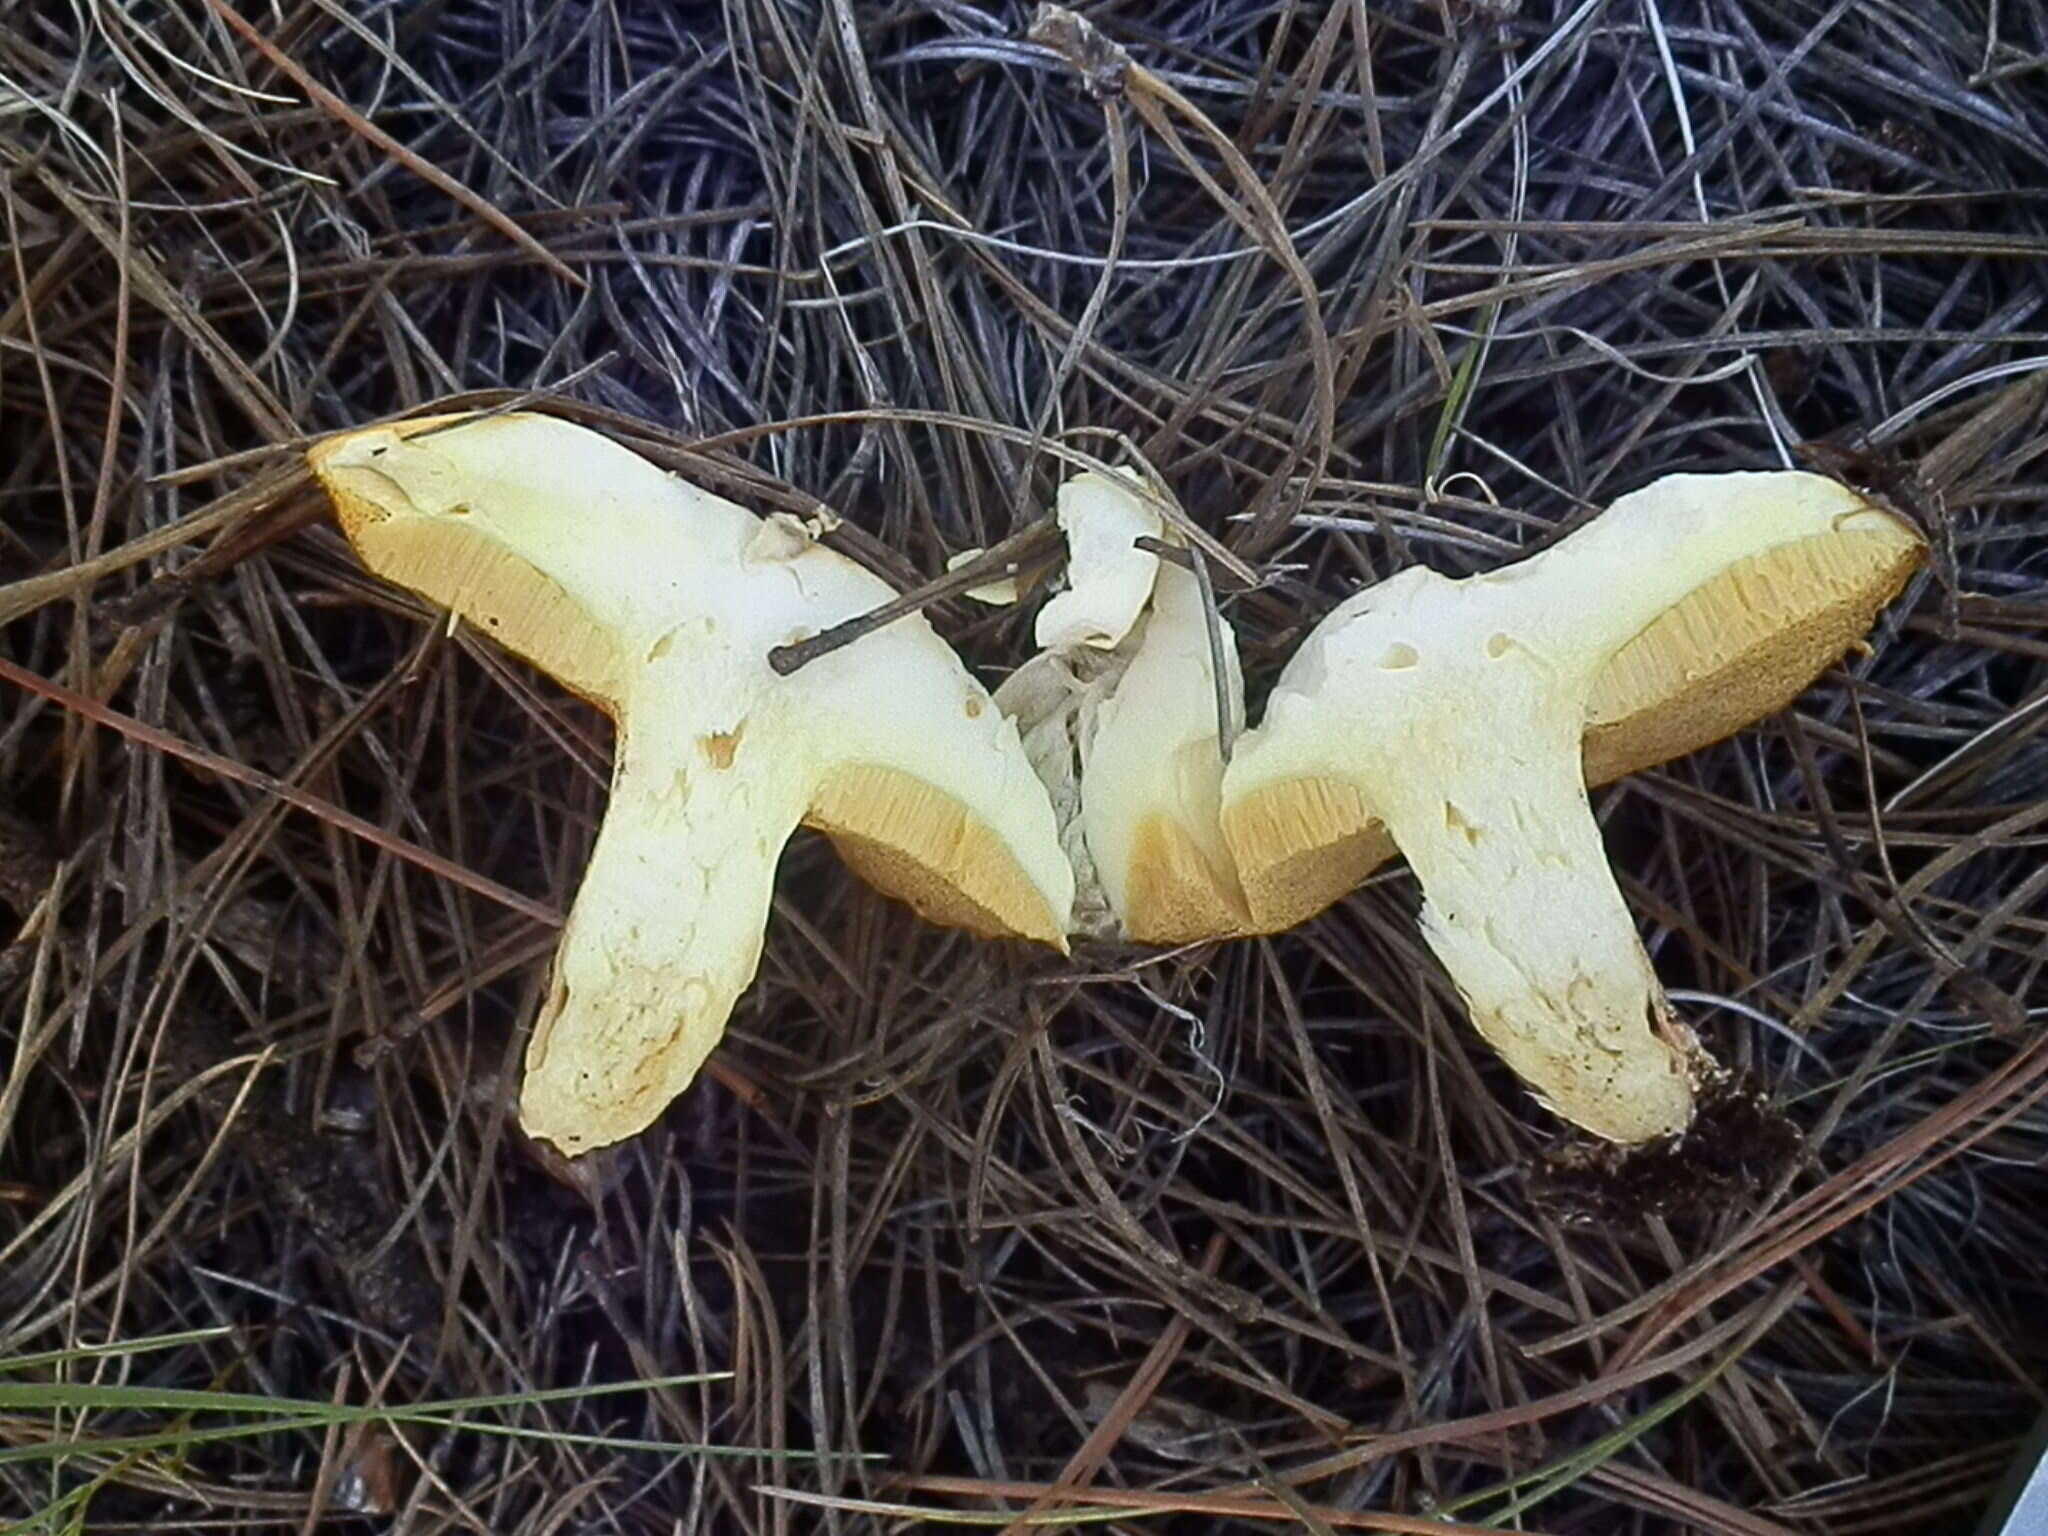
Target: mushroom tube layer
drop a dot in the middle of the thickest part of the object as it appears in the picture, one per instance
(1460, 722)
(659, 602)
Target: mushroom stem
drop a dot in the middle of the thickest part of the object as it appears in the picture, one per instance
(1521, 908)
(667, 929)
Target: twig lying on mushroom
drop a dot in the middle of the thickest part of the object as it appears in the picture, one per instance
(659, 602)
(1461, 722)
(1120, 713)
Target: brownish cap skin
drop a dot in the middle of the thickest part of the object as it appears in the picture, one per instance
(1738, 648)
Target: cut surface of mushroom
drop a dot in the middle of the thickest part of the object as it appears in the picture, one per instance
(1119, 714)
(659, 602)
(1460, 722)
(1003, 592)
(1109, 578)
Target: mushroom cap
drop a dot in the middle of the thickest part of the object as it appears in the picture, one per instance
(1692, 607)
(589, 561)
(415, 531)
(1152, 786)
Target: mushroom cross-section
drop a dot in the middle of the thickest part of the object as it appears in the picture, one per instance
(1460, 722)
(660, 602)
(1120, 716)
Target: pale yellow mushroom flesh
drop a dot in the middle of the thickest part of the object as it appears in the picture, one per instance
(1460, 723)
(659, 602)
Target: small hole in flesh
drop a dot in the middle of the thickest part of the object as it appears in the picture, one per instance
(1399, 657)
(662, 646)
(1498, 644)
(460, 509)
(974, 709)
(718, 748)
(1454, 821)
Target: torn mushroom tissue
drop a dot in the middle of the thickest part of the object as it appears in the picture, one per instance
(1119, 716)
